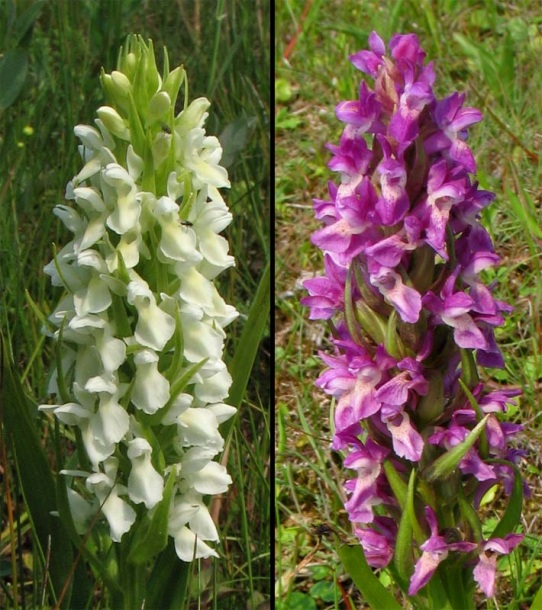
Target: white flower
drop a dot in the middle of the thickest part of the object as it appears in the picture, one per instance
(151, 388)
(190, 524)
(117, 511)
(154, 327)
(127, 206)
(144, 483)
(212, 479)
(199, 427)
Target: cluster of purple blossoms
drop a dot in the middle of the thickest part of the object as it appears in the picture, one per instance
(411, 319)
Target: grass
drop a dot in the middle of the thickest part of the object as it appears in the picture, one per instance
(490, 50)
(224, 48)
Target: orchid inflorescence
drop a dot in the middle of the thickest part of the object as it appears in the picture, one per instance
(140, 328)
(411, 319)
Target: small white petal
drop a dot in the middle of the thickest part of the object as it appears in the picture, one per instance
(154, 327)
(118, 513)
(213, 478)
(151, 388)
(199, 427)
(144, 483)
(189, 548)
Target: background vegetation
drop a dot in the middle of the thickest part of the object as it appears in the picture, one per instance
(491, 50)
(51, 53)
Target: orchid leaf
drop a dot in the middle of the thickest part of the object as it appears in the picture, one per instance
(403, 558)
(537, 601)
(373, 591)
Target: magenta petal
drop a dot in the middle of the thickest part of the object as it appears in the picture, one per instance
(334, 238)
(406, 300)
(466, 333)
(407, 441)
(484, 573)
(378, 548)
(424, 570)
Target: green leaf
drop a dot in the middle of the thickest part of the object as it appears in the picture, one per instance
(34, 472)
(283, 90)
(537, 601)
(324, 590)
(403, 558)
(168, 581)
(299, 601)
(245, 353)
(512, 514)
(375, 594)
(445, 464)
(13, 68)
(26, 20)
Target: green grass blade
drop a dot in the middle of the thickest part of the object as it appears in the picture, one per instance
(241, 366)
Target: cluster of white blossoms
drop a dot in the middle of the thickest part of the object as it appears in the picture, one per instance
(141, 324)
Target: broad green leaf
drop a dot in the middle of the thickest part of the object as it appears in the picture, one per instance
(299, 601)
(512, 514)
(168, 582)
(445, 464)
(35, 476)
(374, 593)
(13, 68)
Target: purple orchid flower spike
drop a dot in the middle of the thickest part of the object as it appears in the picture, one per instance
(411, 319)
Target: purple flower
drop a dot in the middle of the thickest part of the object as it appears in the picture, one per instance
(326, 292)
(393, 202)
(367, 460)
(407, 441)
(442, 194)
(362, 114)
(486, 568)
(370, 61)
(378, 541)
(435, 549)
(405, 299)
(452, 308)
(452, 120)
